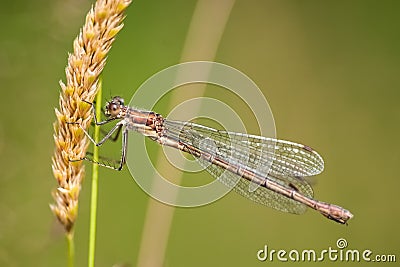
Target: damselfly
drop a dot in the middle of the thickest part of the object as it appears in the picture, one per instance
(276, 168)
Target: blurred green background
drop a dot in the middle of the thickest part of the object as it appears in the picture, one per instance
(329, 69)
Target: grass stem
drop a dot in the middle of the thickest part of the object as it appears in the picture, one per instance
(95, 183)
(71, 248)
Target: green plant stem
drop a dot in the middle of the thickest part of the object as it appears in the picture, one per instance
(95, 179)
(71, 248)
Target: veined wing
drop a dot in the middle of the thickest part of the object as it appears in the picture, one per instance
(289, 158)
(280, 161)
(282, 158)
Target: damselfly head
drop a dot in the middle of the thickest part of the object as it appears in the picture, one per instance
(113, 108)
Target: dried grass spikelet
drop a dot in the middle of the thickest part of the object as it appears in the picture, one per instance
(85, 64)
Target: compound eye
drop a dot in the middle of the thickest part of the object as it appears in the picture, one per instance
(114, 109)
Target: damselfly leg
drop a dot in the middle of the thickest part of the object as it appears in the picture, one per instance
(105, 162)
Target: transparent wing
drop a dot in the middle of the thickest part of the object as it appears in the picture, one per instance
(281, 161)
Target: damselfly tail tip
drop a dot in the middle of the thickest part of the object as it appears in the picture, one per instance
(337, 214)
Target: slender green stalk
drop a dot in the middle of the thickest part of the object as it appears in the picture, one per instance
(95, 180)
(71, 248)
